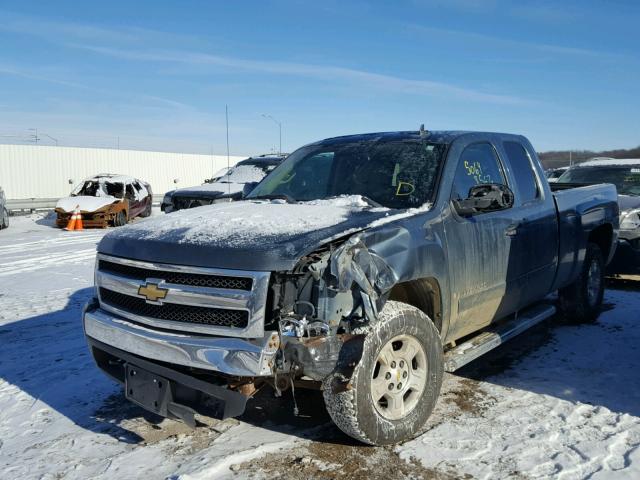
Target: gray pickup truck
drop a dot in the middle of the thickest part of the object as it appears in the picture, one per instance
(364, 266)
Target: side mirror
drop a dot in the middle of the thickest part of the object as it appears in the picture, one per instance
(248, 187)
(488, 197)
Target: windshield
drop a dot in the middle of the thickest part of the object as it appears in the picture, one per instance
(626, 179)
(94, 188)
(396, 173)
(246, 173)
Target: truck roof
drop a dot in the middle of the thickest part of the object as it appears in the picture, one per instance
(438, 136)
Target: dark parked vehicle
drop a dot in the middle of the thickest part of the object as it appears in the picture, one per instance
(625, 175)
(232, 184)
(363, 266)
(4, 211)
(106, 199)
(554, 173)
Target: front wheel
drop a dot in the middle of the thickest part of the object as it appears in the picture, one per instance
(395, 385)
(120, 220)
(581, 301)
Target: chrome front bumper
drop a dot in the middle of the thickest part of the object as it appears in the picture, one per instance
(232, 356)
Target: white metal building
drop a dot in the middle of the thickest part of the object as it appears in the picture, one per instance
(34, 171)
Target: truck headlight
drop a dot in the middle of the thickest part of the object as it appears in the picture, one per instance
(630, 219)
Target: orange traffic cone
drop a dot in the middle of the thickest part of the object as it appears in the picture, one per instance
(78, 219)
(74, 219)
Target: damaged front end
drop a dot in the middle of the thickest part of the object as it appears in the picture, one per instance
(322, 310)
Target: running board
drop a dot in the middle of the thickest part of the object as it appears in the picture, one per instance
(489, 339)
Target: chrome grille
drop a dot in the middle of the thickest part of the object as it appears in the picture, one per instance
(203, 300)
(178, 313)
(179, 278)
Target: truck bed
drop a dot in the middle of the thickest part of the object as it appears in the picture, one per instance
(581, 209)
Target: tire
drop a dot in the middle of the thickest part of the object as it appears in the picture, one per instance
(147, 211)
(4, 219)
(400, 329)
(120, 220)
(581, 301)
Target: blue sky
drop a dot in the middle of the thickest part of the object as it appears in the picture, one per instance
(157, 75)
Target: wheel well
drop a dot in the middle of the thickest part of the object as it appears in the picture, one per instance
(602, 237)
(424, 294)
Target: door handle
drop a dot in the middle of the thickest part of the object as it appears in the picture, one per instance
(511, 231)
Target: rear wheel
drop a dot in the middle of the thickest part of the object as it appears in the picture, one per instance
(581, 301)
(394, 387)
(147, 211)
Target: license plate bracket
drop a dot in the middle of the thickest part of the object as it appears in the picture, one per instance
(147, 389)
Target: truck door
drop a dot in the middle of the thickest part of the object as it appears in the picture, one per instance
(479, 246)
(534, 242)
(134, 203)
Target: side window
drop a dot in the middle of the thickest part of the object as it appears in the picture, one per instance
(130, 194)
(478, 164)
(522, 171)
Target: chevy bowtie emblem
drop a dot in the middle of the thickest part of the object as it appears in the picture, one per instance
(152, 292)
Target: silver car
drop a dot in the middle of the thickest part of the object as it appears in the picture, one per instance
(4, 213)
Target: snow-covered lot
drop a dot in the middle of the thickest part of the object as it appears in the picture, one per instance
(558, 402)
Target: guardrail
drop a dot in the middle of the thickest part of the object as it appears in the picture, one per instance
(32, 204)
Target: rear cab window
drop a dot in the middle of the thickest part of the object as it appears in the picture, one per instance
(523, 171)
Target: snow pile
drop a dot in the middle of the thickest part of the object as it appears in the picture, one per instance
(240, 223)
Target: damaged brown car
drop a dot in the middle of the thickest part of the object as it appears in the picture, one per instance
(106, 200)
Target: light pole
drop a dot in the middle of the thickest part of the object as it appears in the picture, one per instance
(279, 129)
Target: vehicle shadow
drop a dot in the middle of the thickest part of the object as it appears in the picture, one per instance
(46, 356)
(595, 364)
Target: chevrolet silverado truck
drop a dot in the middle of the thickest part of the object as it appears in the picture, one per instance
(363, 266)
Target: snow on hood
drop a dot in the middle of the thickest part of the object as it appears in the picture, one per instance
(87, 204)
(256, 235)
(210, 189)
(628, 202)
(241, 223)
(611, 162)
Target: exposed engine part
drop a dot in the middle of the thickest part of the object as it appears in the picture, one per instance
(316, 357)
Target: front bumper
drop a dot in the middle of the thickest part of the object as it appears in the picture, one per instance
(230, 356)
(89, 220)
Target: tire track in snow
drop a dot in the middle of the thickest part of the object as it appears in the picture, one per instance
(27, 247)
(37, 263)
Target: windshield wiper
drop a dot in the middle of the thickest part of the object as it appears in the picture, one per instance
(274, 196)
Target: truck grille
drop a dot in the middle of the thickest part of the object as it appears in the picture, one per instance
(178, 313)
(178, 278)
(191, 299)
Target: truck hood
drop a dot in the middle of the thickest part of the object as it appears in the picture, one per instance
(254, 235)
(86, 204)
(628, 202)
(209, 190)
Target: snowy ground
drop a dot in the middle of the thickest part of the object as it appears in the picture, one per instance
(558, 402)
